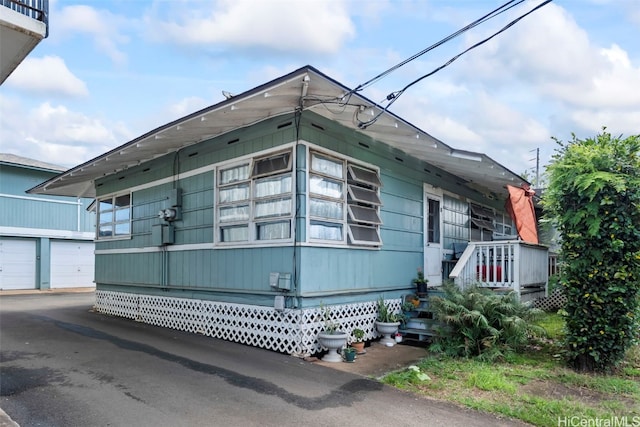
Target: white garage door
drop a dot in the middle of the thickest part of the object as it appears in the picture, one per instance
(17, 264)
(72, 264)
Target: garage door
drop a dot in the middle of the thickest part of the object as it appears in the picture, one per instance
(17, 264)
(72, 264)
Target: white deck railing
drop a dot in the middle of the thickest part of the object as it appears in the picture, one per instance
(516, 265)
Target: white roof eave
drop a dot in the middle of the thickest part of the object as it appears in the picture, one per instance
(283, 96)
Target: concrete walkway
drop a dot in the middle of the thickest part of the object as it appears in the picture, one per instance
(380, 360)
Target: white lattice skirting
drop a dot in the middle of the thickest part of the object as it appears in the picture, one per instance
(291, 331)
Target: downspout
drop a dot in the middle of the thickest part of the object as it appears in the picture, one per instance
(79, 212)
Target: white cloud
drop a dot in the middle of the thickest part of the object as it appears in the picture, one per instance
(55, 134)
(542, 77)
(101, 25)
(48, 75)
(318, 26)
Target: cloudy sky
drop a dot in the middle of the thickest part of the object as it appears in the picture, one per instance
(112, 70)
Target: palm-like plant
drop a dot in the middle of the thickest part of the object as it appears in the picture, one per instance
(482, 323)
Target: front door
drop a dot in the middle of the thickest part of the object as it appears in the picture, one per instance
(433, 235)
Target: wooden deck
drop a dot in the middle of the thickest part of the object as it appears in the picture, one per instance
(504, 265)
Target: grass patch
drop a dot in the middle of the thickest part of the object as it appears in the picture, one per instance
(553, 323)
(534, 386)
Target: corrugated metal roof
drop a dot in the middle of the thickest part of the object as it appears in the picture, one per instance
(307, 88)
(31, 163)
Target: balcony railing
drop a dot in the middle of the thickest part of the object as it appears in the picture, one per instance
(514, 265)
(36, 9)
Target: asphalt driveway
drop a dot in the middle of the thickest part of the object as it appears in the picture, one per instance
(61, 364)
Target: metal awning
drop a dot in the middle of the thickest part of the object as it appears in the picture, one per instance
(306, 87)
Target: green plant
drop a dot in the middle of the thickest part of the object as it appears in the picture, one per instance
(480, 323)
(420, 279)
(330, 325)
(385, 315)
(526, 387)
(358, 334)
(408, 306)
(594, 199)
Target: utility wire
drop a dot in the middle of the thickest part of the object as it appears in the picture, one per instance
(505, 7)
(393, 96)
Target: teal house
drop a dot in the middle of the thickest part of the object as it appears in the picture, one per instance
(247, 220)
(46, 241)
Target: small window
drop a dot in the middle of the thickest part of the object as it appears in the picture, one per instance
(234, 174)
(274, 230)
(326, 209)
(238, 233)
(362, 235)
(364, 176)
(234, 213)
(273, 208)
(266, 187)
(255, 200)
(325, 187)
(363, 214)
(339, 201)
(272, 165)
(235, 193)
(325, 231)
(114, 216)
(482, 217)
(364, 195)
(327, 166)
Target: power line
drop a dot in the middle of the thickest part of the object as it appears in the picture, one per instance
(451, 36)
(393, 96)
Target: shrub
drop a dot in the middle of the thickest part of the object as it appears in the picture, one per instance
(481, 323)
(594, 200)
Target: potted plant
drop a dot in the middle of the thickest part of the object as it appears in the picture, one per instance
(349, 354)
(421, 283)
(386, 323)
(358, 342)
(331, 337)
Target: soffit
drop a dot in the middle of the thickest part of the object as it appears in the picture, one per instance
(305, 87)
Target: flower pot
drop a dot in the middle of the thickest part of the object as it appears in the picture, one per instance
(333, 342)
(349, 354)
(359, 346)
(421, 289)
(387, 329)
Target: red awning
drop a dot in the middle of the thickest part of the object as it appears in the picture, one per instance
(520, 207)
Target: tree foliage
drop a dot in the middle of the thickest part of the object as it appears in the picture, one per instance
(594, 199)
(480, 323)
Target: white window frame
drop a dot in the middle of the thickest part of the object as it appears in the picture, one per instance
(252, 222)
(354, 205)
(483, 218)
(504, 221)
(116, 219)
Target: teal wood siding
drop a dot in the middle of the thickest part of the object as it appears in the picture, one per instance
(245, 269)
(22, 210)
(328, 271)
(232, 274)
(141, 269)
(330, 274)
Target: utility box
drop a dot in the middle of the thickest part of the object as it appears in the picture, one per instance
(278, 303)
(162, 234)
(280, 281)
(284, 281)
